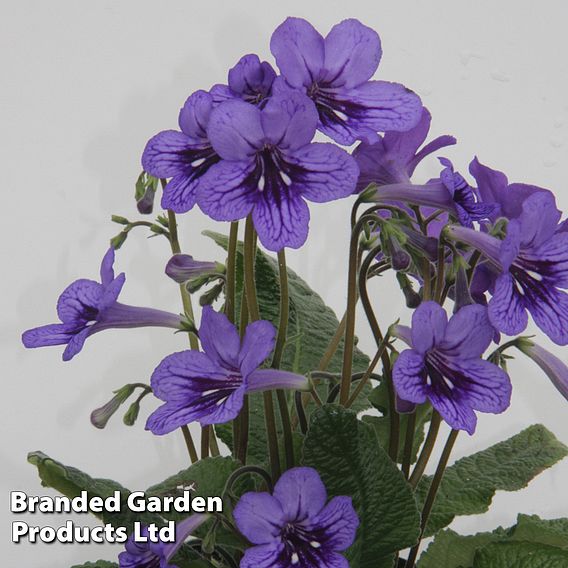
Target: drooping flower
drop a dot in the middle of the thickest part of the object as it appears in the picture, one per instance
(394, 157)
(335, 73)
(555, 369)
(269, 167)
(444, 365)
(182, 156)
(464, 197)
(533, 266)
(294, 527)
(86, 307)
(250, 80)
(158, 554)
(209, 386)
(183, 267)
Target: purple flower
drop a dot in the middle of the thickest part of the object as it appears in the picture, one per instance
(394, 157)
(183, 267)
(294, 527)
(209, 386)
(444, 365)
(250, 80)
(269, 168)
(182, 156)
(86, 307)
(464, 197)
(555, 369)
(533, 266)
(494, 188)
(158, 554)
(335, 73)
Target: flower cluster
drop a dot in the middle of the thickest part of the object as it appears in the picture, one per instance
(490, 252)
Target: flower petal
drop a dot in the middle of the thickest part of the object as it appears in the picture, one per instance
(235, 130)
(167, 154)
(47, 335)
(336, 525)
(301, 493)
(281, 219)
(409, 376)
(549, 308)
(352, 54)
(375, 106)
(219, 338)
(454, 409)
(485, 386)
(469, 333)
(251, 77)
(259, 517)
(299, 51)
(194, 116)
(325, 173)
(492, 188)
(180, 194)
(79, 301)
(107, 271)
(429, 322)
(112, 292)
(76, 343)
(507, 306)
(257, 345)
(555, 369)
(265, 556)
(539, 219)
(228, 191)
(289, 121)
(269, 379)
(552, 259)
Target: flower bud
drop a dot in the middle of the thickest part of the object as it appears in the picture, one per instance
(146, 186)
(183, 267)
(120, 220)
(100, 416)
(412, 297)
(400, 259)
(555, 369)
(118, 241)
(211, 295)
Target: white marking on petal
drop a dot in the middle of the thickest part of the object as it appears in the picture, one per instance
(535, 275)
(428, 381)
(519, 288)
(286, 178)
(261, 183)
(341, 115)
(295, 558)
(315, 544)
(197, 163)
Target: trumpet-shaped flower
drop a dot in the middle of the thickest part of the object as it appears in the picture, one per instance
(294, 527)
(335, 73)
(269, 168)
(210, 386)
(86, 307)
(444, 365)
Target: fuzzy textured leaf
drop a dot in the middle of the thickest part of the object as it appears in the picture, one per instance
(520, 555)
(469, 485)
(97, 564)
(345, 453)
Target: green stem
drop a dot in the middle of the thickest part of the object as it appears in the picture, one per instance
(408, 444)
(426, 452)
(188, 310)
(441, 272)
(213, 443)
(241, 442)
(189, 443)
(231, 272)
(205, 435)
(349, 344)
(278, 350)
(394, 418)
(252, 302)
(432, 492)
(368, 373)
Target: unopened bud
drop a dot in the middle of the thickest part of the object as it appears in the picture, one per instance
(211, 295)
(117, 241)
(120, 220)
(100, 416)
(412, 297)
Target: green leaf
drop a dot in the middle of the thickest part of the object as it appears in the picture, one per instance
(312, 324)
(452, 550)
(345, 453)
(470, 484)
(70, 481)
(97, 564)
(520, 555)
(545, 531)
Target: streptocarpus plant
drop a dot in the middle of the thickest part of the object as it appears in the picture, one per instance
(324, 449)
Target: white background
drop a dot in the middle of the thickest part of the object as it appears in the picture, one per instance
(85, 84)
